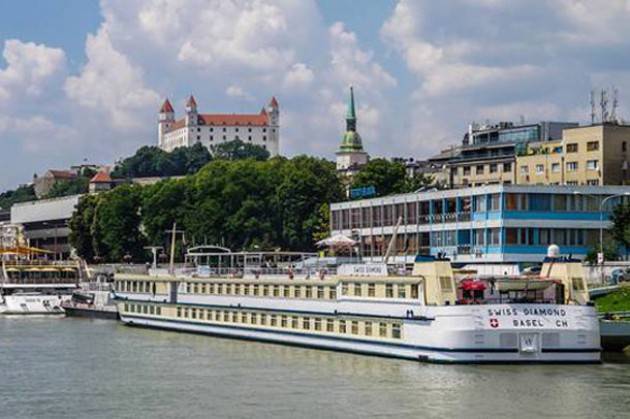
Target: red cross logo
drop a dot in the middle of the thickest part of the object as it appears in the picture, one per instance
(494, 323)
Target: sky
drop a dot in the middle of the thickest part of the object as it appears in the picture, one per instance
(82, 81)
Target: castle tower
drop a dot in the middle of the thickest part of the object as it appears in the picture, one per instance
(166, 117)
(191, 112)
(273, 114)
(351, 155)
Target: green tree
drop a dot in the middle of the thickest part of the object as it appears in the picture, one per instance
(387, 177)
(611, 252)
(81, 225)
(620, 230)
(239, 150)
(76, 186)
(21, 194)
(151, 161)
(116, 230)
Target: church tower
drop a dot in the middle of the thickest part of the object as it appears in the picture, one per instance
(273, 137)
(166, 118)
(351, 155)
(191, 112)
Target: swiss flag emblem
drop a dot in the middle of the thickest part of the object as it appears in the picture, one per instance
(494, 323)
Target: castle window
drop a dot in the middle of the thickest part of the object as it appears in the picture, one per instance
(211, 129)
(249, 130)
(224, 129)
(198, 137)
(236, 129)
(211, 138)
(198, 129)
(236, 137)
(274, 130)
(264, 138)
(264, 129)
(249, 138)
(224, 137)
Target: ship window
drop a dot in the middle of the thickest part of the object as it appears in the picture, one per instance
(309, 292)
(126, 307)
(245, 289)
(186, 312)
(330, 325)
(357, 290)
(255, 290)
(244, 317)
(285, 291)
(333, 293)
(158, 310)
(228, 289)
(254, 318)
(263, 319)
(445, 283)
(193, 313)
(368, 328)
(234, 317)
(389, 291)
(179, 312)
(188, 287)
(578, 284)
(344, 289)
(195, 289)
(283, 321)
(342, 326)
(306, 323)
(203, 288)
(296, 292)
(318, 324)
(145, 310)
(320, 292)
(371, 290)
(402, 291)
(382, 329)
(396, 331)
(276, 291)
(273, 320)
(294, 322)
(147, 287)
(151, 310)
(355, 328)
(237, 289)
(414, 291)
(265, 290)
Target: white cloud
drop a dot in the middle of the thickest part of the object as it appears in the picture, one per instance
(110, 83)
(30, 67)
(299, 76)
(238, 92)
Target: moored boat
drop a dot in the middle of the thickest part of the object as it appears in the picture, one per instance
(362, 308)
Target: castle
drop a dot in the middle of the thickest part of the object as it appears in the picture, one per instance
(261, 129)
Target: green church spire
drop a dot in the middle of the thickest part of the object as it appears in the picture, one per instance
(351, 141)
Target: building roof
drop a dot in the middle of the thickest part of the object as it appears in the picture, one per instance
(255, 120)
(101, 177)
(274, 102)
(166, 107)
(191, 102)
(62, 174)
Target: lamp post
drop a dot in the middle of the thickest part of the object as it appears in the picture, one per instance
(601, 222)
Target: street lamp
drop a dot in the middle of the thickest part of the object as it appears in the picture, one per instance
(601, 219)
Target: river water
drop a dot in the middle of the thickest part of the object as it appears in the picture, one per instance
(77, 368)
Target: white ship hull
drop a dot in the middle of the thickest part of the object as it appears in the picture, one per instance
(32, 304)
(456, 334)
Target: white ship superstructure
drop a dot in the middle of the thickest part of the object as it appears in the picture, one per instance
(424, 316)
(36, 287)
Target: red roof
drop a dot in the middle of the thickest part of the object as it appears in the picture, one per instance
(191, 102)
(62, 174)
(274, 102)
(101, 177)
(166, 107)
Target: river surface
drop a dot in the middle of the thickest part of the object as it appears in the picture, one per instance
(77, 368)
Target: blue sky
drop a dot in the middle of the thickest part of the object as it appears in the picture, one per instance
(83, 79)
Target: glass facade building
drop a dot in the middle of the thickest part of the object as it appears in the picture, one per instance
(493, 224)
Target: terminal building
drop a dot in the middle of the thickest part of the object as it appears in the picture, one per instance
(45, 223)
(487, 224)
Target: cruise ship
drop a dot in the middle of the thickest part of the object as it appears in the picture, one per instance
(423, 314)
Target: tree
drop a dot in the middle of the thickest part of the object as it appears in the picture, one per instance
(81, 225)
(151, 161)
(239, 150)
(116, 230)
(611, 252)
(21, 194)
(620, 230)
(387, 177)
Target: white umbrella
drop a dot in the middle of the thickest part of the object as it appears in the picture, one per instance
(338, 240)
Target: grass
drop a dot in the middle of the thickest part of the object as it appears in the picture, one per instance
(615, 301)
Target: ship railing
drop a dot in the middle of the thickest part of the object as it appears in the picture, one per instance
(264, 272)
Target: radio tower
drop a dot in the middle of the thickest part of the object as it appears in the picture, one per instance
(592, 107)
(603, 103)
(615, 103)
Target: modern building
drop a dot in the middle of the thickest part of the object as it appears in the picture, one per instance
(261, 129)
(45, 223)
(488, 224)
(589, 155)
(488, 152)
(351, 156)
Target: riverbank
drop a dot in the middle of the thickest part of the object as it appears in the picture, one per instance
(615, 301)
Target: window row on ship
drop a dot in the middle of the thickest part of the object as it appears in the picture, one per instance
(354, 289)
(377, 328)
